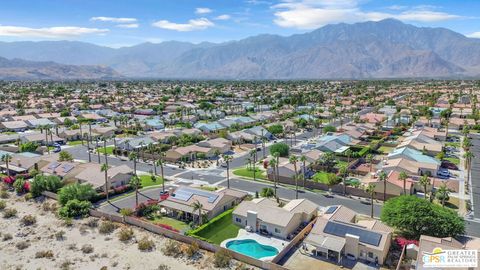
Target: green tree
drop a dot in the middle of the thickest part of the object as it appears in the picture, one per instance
(329, 128)
(403, 177)
(75, 208)
(77, 191)
(267, 192)
(135, 183)
(382, 176)
(7, 158)
(281, 148)
(424, 182)
(443, 194)
(197, 206)
(293, 160)
(414, 217)
(65, 156)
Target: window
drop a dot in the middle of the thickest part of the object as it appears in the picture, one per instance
(277, 230)
(263, 227)
(370, 255)
(238, 220)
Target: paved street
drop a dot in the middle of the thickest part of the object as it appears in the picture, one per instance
(475, 175)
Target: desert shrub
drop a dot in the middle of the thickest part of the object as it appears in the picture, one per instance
(191, 250)
(42, 183)
(171, 248)
(9, 212)
(44, 254)
(107, 227)
(3, 205)
(222, 258)
(67, 222)
(146, 244)
(28, 220)
(4, 194)
(92, 222)
(126, 211)
(60, 235)
(22, 245)
(75, 208)
(28, 196)
(87, 249)
(7, 237)
(163, 267)
(19, 185)
(125, 234)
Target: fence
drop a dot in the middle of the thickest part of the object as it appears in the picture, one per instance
(400, 260)
(299, 237)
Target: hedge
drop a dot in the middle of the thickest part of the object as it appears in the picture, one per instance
(211, 222)
(364, 151)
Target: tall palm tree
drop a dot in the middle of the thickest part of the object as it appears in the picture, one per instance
(273, 164)
(403, 177)
(370, 161)
(227, 159)
(253, 154)
(7, 158)
(443, 193)
(104, 169)
(135, 183)
(468, 156)
(425, 181)
(133, 157)
(370, 189)
(161, 163)
(344, 173)
(197, 206)
(293, 160)
(382, 176)
(348, 153)
(303, 159)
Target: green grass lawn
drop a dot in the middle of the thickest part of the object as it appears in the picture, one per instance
(321, 177)
(147, 180)
(385, 149)
(341, 163)
(208, 188)
(109, 150)
(455, 161)
(79, 142)
(221, 230)
(260, 174)
(176, 224)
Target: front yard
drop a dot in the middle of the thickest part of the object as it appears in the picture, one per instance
(321, 177)
(108, 149)
(453, 160)
(247, 172)
(146, 180)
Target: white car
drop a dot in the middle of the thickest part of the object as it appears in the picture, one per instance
(444, 173)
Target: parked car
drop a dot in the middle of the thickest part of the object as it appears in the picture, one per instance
(443, 173)
(449, 165)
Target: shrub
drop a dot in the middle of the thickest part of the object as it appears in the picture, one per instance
(42, 183)
(3, 205)
(329, 128)
(44, 254)
(76, 191)
(19, 185)
(171, 248)
(146, 244)
(4, 194)
(126, 212)
(22, 245)
(222, 258)
(7, 237)
(163, 267)
(92, 222)
(191, 250)
(281, 148)
(125, 234)
(28, 220)
(107, 227)
(87, 249)
(9, 213)
(75, 208)
(60, 235)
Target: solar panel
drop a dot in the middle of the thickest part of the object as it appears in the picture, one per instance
(53, 165)
(67, 167)
(341, 229)
(185, 194)
(331, 209)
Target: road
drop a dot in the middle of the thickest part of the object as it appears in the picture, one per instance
(475, 174)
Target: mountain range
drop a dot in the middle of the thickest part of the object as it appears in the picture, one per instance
(383, 49)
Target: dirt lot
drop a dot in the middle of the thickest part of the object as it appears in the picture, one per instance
(82, 246)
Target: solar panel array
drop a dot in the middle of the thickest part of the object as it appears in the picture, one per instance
(184, 194)
(341, 229)
(53, 166)
(331, 209)
(67, 167)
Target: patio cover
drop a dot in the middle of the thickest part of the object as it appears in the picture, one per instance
(342, 149)
(13, 168)
(179, 207)
(325, 242)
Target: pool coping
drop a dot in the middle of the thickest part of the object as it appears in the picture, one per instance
(277, 243)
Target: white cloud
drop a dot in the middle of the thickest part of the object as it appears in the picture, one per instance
(474, 35)
(203, 10)
(114, 19)
(310, 14)
(128, 25)
(194, 24)
(223, 17)
(48, 32)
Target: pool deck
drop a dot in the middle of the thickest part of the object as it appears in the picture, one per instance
(277, 243)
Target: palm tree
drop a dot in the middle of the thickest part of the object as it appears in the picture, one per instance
(293, 160)
(303, 159)
(403, 177)
(382, 176)
(227, 160)
(425, 181)
(370, 189)
(273, 164)
(104, 168)
(161, 163)
(344, 173)
(88, 148)
(348, 153)
(135, 182)
(197, 206)
(468, 156)
(133, 156)
(370, 160)
(253, 154)
(7, 158)
(443, 193)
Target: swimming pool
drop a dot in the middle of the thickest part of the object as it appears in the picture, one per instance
(252, 248)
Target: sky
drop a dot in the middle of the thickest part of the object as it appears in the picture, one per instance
(119, 23)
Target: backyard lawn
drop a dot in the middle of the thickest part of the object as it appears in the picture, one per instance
(385, 149)
(321, 177)
(245, 172)
(176, 224)
(146, 180)
(109, 150)
(221, 230)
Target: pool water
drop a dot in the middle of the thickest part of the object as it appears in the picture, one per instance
(252, 248)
